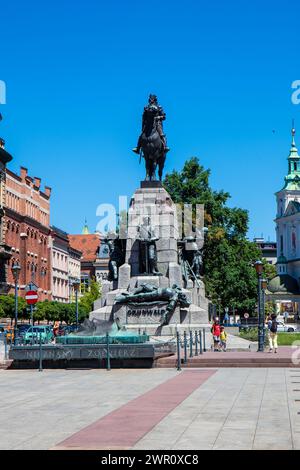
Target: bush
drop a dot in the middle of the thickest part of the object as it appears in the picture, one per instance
(251, 334)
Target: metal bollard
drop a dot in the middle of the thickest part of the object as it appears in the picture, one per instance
(196, 343)
(204, 346)
(107, 352)
(178, 352)
(41, 352)
(191, 343)
(200, 342)
(185, 347)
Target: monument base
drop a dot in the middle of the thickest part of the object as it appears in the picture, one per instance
(151, 184)
(152, 203)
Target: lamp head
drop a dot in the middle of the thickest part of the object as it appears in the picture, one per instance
(16, 269)
(258, 266)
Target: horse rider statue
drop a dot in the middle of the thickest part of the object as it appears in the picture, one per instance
(159, 115)
(152, 142)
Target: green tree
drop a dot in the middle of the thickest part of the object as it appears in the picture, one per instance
(7, 305)
(228, 255)
(87, 300)
(269, 270)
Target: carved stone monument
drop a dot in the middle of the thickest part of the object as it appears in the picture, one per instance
(155, 279)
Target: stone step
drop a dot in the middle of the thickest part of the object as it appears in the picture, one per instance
(5, 365)
(173, 364)
(223, 361)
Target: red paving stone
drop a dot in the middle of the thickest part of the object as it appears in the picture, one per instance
(124, 427)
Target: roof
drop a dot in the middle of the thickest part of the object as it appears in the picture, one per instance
(283, 284)
(88, 244)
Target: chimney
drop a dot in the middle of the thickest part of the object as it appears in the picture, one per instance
(48, 191)
(37, 182)
(24, 172)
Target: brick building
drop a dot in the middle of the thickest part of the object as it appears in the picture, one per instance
(27, 231)
(5, 251)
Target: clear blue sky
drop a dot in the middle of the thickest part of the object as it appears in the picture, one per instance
(78, 74)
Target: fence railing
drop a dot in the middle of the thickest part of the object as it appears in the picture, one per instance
(189, 344)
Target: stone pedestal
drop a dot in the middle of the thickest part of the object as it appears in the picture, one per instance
(153, 203)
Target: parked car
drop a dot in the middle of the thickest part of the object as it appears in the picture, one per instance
(22, 330)
(35, 332)
(282, 327)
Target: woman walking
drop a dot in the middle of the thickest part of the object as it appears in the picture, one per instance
(272, 327)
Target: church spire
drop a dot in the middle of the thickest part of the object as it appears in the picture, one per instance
(294, 148)
(292, 180)
(85, 230)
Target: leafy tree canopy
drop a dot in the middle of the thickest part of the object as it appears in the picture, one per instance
(228, 255)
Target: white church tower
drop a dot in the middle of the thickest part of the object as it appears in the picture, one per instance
(288, 217)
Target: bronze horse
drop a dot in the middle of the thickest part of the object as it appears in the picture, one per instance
(152, 144)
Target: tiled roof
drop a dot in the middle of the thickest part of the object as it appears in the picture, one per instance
(88, 244)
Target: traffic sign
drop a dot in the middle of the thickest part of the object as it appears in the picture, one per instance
(246, 315)
(31, 297)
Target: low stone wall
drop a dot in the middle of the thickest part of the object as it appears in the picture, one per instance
(90, 356)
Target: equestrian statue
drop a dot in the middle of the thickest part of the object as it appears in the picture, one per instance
(152, 144)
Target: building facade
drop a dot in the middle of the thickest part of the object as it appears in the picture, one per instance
(66, 266)
(5, 250)
(284, 288)
(60, 265)
(27, 231)
(74, 270)
(268, 249)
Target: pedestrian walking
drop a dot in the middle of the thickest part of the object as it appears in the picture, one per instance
(272, 327)
(216, 331)
(226, 318)
(223, 339)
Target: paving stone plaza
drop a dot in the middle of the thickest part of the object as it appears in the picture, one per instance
(159, 409)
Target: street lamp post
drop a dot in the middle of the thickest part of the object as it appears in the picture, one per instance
(16, 273)
(264, 284)
(261, 324)
(76, 285)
